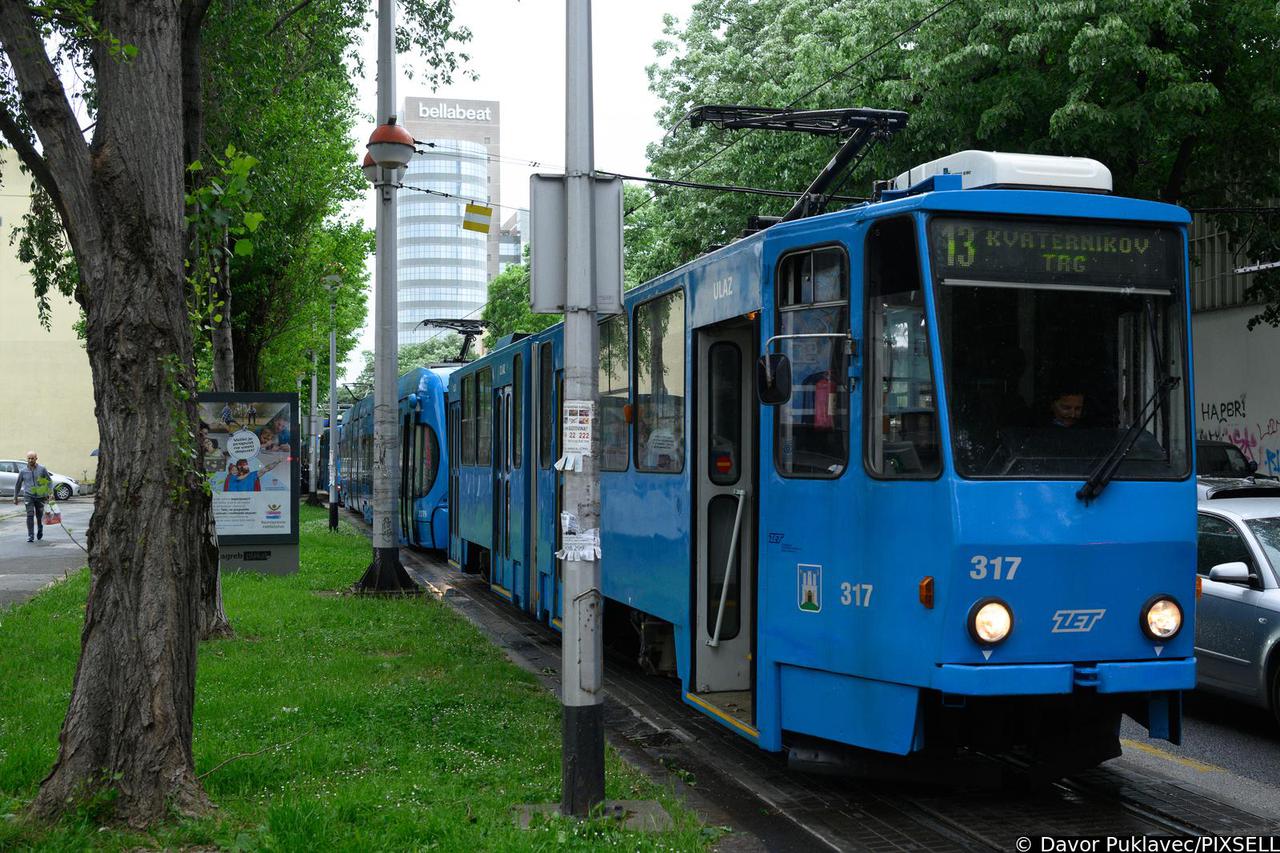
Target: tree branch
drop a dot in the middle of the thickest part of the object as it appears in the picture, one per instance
(29, 156)
(286, 16)
(45, 104)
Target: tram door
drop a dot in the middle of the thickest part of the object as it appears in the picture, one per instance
(408, 463)
(455, 456)
(500, 560)
(724, 473)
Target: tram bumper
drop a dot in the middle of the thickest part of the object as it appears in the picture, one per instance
(1032, 679)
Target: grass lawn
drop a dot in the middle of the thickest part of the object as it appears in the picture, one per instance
(382, 725)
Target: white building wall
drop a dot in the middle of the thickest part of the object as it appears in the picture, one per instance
(1237, 375)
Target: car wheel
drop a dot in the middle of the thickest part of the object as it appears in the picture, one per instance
(62, 492)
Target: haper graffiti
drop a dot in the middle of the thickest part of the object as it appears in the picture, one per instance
(1227, 420)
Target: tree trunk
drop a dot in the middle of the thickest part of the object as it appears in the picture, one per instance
(213, 618)
(224, 362)
(129, 723)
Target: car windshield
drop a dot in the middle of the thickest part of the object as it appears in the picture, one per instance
(1267, 531)
(1057, 337)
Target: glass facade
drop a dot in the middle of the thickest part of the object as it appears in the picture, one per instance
(443, 269)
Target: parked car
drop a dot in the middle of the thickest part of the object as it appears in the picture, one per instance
(63, 487)
(1224, 459)
(1238, 617)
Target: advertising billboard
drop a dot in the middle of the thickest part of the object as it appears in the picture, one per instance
(251, 452)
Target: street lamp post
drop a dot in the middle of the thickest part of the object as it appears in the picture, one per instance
(313, 441)
(390, 149)
(333, 283)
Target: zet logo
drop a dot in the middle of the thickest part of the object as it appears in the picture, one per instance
(273, 511)
(1076, 621)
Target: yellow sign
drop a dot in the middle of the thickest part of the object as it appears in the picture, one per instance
(477, 218)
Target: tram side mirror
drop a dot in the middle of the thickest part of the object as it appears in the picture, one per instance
(1253, 467)
(773, 379)
(1234, 572)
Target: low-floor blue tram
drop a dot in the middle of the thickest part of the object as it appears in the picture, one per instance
(950, 432)
(423, 488)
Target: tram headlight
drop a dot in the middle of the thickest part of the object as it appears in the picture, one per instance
(990, 621)
(1161, 618)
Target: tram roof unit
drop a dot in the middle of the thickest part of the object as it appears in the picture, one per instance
(998, 170)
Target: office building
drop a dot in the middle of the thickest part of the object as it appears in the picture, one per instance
(443, 269)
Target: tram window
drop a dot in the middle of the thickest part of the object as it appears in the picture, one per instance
(724, 413)
(1048, 365)
(484, 417)
(469, 420)
(1218, 542)
(614, 380)
(546, 407)
(901, 403)
(811, 434)
(660, 363)
(517, 410)
(430, 458)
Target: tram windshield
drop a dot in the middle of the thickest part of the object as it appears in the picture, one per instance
(1056, 338)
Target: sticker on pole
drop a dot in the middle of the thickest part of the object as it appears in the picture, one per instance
(575, 440)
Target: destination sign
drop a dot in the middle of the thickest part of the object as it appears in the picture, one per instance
(1071, 255)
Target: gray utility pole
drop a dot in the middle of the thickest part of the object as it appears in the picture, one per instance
(385, 573)
(582, 750)
(313, 441)
(333, 282)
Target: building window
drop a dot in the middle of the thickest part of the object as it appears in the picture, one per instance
(660, 363)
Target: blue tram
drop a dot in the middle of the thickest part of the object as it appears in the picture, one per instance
(423, 489)
(911, 475)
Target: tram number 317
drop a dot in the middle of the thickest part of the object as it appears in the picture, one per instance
(857, 594)
(995, 568)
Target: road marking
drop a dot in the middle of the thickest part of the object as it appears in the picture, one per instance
(1169, 756)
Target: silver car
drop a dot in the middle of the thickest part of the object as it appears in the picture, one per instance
(63, 487)
(1238, 617)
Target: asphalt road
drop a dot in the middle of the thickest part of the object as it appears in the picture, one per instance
(25, 567)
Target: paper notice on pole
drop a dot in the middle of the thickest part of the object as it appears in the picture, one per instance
(575, 439)
(578, 417)
(584, 546)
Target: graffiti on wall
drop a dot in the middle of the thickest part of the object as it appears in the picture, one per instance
(1228, 420)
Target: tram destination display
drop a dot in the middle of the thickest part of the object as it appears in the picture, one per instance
(1069, 255)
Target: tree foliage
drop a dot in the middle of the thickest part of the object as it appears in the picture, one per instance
(507, 308)
(443, 349)
(1179, 99)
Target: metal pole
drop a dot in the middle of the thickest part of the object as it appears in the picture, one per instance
(333, 417)
(313, 442)
(385, 573)
(582, 750)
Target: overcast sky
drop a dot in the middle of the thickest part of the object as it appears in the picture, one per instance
(517, 48)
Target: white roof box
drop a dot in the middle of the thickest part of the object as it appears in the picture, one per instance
(998, 169)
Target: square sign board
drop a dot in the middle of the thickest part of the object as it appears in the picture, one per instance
(547, 243)
(250, 452)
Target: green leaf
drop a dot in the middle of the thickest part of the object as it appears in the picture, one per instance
(195, 166)
(252, 220)
(244, 247)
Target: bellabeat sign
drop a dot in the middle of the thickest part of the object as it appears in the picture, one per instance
(453, 112)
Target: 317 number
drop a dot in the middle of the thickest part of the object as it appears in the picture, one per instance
(857, 594)
(997, 568)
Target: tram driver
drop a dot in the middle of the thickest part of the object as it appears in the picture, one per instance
(1067, 406)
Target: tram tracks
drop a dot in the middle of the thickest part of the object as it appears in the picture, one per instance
(732, 781)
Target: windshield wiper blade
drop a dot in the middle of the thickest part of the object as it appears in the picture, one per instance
(1110, 463)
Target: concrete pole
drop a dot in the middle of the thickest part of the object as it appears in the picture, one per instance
(313, 442)
(582, 750)
(333, 416)
(385, 573)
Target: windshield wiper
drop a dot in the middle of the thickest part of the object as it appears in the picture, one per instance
(1110, 463)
